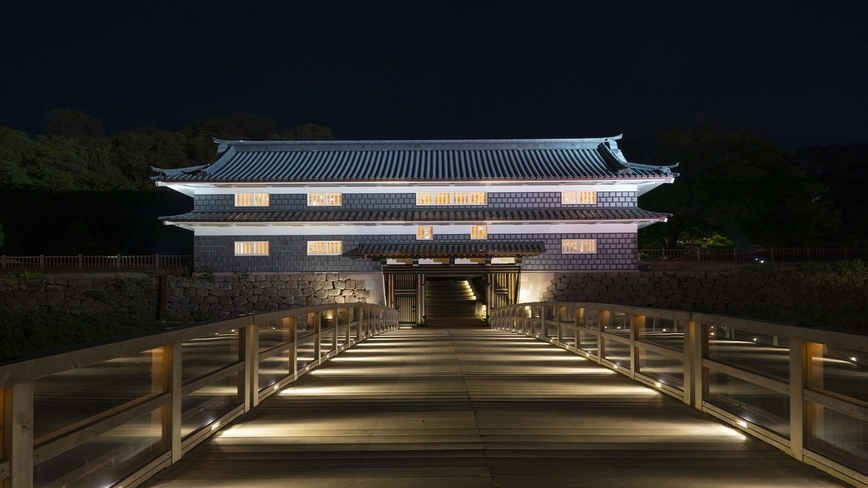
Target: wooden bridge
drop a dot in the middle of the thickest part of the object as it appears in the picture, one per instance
(554, 394)
(478, 408)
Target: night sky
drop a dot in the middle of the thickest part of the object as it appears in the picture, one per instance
(435, 70)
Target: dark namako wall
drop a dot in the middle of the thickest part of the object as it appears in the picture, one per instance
(374, 201)
(615, 252)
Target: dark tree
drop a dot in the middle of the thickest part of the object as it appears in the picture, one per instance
(72, 123)
(844, 169)
(740, 184)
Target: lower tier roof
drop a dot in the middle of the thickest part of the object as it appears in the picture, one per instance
(562, 214)
(492, 249)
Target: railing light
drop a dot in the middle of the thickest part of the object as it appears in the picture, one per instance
(853, 359)
(215, 425)
(658, 385)
(742, 423)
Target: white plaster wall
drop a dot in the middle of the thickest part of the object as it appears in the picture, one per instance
(533, 284)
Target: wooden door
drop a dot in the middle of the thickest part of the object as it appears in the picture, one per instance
(406, 308)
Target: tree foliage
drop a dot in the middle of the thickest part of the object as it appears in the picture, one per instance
(75, 155)
(92, 192)
(739, 184)
(844, 169)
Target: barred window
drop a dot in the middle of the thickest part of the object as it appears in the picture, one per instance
(324, 247)
(478, 232)
(424, 232)
(251, 248)
(251, 199)
(442, 198)
(325, 199)
(578, 197)
(578, 246)
(456, 198)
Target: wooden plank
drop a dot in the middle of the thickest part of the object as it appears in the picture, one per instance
(838, 404)
(757, 379)
(196, 383)
(77, 434)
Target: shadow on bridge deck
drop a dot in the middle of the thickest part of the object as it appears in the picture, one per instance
(473, 408)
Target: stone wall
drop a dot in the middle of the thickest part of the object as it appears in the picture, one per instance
(719, 291)
(234, 294)
(201, 297)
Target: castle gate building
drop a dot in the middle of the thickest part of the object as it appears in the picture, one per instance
(452, 227)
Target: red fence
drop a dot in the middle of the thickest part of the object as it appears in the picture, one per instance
(149, 261)
(767, 255)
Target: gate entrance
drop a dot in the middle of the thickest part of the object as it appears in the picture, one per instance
(449, 296)
(450, 284)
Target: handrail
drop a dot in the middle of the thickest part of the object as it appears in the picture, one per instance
(80, 261)
(800, 389)
(162, 393)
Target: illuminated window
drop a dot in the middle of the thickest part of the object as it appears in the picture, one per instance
(456, 198)
(425, 233)
(251, 199)
(324, 199)
(478, 232)
(578, 197)
(324, 247)
(251, 248)
(578, 246)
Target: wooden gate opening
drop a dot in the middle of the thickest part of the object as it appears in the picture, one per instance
(453, 296)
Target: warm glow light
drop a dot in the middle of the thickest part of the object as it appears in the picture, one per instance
(742, 423)
(658, 385)
(215, 425)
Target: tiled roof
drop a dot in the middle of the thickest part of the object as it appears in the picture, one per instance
(371, 161)
(561, 214)
(424, 250)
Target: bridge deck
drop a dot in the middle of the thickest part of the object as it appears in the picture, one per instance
(473, 408)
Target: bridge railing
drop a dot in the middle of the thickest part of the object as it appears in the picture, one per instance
(116, 413)
(803, 390)
(766, 255)
(145, 261)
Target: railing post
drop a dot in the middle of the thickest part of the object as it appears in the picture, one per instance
(41, 261)
(696, 376)
(248, 350)
(156, 261)
(637, 325)
(317, 348)
(798, 381)
(79, 261)
(118, 261)
(172, 411)
(17, 422)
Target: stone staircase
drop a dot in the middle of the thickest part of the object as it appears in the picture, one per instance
(451, 303)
